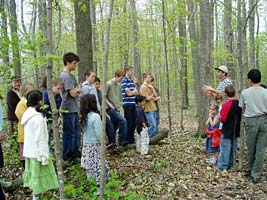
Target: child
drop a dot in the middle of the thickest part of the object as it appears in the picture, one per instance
(219, 100)
(97, 87)
(141, 124)
(213, 133)
(230, 117)
(39, 174)
(20, 109)
(56, 88)
(92, 128)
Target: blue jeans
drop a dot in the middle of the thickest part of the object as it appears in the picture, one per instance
(129, 114)
(110, 132)
(228, 148)
(118, 122)
(152, 124)
(71, 136)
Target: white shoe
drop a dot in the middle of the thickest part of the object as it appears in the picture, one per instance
(6, 184)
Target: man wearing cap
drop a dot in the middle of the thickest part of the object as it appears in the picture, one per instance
(12, 98)
(222, 72)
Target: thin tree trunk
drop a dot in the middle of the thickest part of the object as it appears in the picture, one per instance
(93, 22)
(195, 53)
(244, 33)
(167, 67)
(14, 37)
(52, 101)
(136, 55)
(105, 73)
(251, 22)
(257, 43)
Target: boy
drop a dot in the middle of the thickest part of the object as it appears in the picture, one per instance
(113, 99)
(69, 93)
(97, 87)
(253, 101)
(230, 116)
(56, 88)
(140, 120)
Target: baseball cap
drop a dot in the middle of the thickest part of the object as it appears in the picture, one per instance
(222, 68)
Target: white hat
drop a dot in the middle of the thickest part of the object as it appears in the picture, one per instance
(222, 68)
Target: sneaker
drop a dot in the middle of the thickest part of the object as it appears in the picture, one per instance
(212, 161)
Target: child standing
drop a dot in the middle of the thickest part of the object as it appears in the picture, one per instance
(39, 174)
(142, 141)
(230, 117)
(213, 133)
(20, 109)
(92, 128)
(56, 88)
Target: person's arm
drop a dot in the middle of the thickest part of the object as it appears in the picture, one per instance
(97, 124)
(214, 121)
(74, 91)
(145, 92)
(128, 92)
(208, 90)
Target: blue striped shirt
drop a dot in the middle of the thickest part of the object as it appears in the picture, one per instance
(225, 82)
(127, 83)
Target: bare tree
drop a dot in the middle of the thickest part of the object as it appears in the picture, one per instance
(55, 116)
(251, 24)
(4, 35)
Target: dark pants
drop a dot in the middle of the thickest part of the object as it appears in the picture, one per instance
(71, 136)
(129, 114)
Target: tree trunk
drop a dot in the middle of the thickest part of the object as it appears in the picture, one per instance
(13, 23)
(55, 115)
(93, 22)
(257, 62)
(251, 24)
(228, 36)
(4, 35)
(205, 55)
(183, 62)
(195, 53)
(105, 72)
(167, 67)
(244, 33)
(83, 36)
(136, 54)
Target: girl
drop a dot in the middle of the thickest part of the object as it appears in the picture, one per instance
(92, 128)
(20, 109)
(39, 174)
(213, 133)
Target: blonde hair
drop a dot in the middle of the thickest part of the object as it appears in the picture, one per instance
(25, 87)
(56, 81)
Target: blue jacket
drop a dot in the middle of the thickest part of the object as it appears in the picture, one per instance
(47, 110)
(93, 129)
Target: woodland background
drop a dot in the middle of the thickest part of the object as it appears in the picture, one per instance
(179, 41)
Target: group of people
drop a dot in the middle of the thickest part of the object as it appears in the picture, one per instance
(80, 107)
(223, 123)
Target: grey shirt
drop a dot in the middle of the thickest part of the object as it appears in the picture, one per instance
(114, 93)
(90, 89)
(68, 103)
(254, 99)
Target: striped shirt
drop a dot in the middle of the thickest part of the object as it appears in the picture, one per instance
(225, 82)
(127, 83)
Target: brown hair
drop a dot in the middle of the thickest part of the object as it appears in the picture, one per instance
(119, 73)
(24, 89)
(229, 90)
(218, 97)
(57, 81)
(87, 73)
(146, 74)
(127, 68)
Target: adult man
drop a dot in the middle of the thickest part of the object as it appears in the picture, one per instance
(69, 93)
(12, 99)
(221, 73)
(253, 101)
(149, 92)
(113, 99)
(128, 92)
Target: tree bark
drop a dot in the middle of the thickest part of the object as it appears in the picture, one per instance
(167, 67)
(55, 115)
(13, 23)
(105, 73)
(83, 36)
(251, 22)
(135, 32)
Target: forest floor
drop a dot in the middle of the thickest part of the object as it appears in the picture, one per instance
(175, 169)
